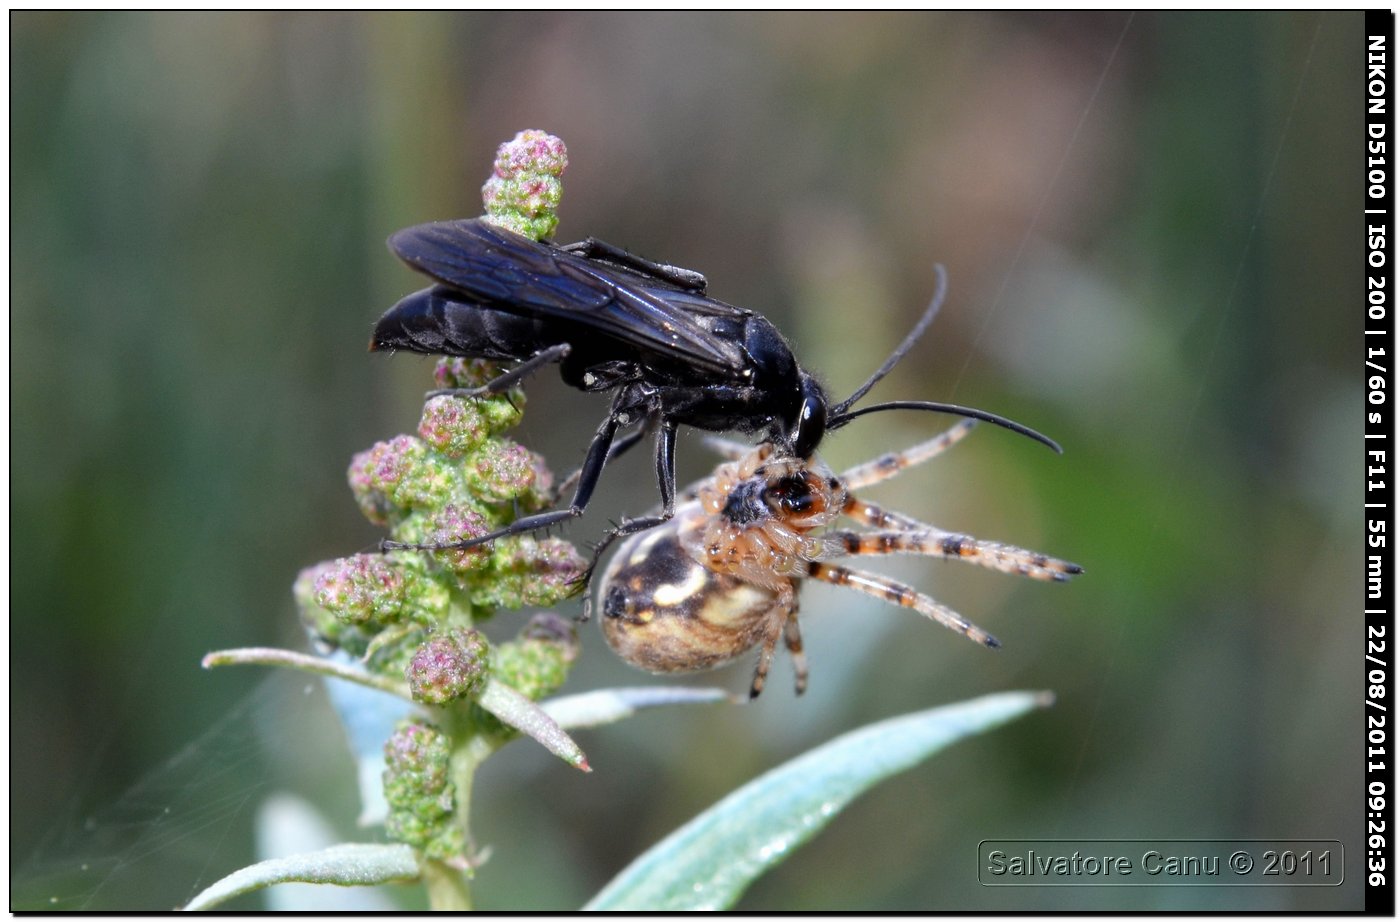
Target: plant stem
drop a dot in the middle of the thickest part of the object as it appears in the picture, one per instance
(448, 887)
(448, 890)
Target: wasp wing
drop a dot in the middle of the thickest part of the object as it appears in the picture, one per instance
(512, 273)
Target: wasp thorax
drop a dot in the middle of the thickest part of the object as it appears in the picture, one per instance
(664, 611)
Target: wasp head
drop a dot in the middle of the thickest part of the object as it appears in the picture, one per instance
(808, 424)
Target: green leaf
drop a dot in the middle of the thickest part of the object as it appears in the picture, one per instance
(348, 865)
(710, 861)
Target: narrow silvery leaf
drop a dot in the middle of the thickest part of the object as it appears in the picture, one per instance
(286, 824)
(608, 705)
(710, 861)
(515, 710)
(348, 865)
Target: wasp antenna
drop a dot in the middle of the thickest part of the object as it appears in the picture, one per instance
(842, 419)
(930, 312)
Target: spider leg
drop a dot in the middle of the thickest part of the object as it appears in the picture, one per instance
(778, 617)
(692, 491)
(888, 465)
(934, 542)
(792, 636)
(728, 449)
(867, 513)
(897, 593)
(765, 659)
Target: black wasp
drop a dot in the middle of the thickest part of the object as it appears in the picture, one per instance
(645, 331)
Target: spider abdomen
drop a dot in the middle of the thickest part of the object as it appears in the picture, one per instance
(663, 611)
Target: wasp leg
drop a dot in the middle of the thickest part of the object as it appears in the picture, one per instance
(899, 594)
(589, 473)
(792, 636)
(888, 465)
(503, 382)
(666, 481)
(593, 248)
(619, 448)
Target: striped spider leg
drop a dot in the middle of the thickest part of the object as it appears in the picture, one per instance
(896, 533)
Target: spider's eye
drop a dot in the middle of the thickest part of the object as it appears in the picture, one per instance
(790, 495)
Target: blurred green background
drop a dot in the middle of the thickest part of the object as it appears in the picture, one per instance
(1152, 232)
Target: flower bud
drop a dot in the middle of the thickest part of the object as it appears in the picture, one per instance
(452, 524)
(530, 571)
(499, 412)
(397, 476)
(449, 666)
(453, 425)
(452, 372)
(537, 663)
(372, 500)
(326, 629)
(503, 471)
(361, 589)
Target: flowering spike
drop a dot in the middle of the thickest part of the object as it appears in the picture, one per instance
(419, 789)
(523, 192)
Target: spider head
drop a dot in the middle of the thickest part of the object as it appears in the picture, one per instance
(793, 494)
(801, 495)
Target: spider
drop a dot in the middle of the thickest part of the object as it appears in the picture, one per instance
(722, 576)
